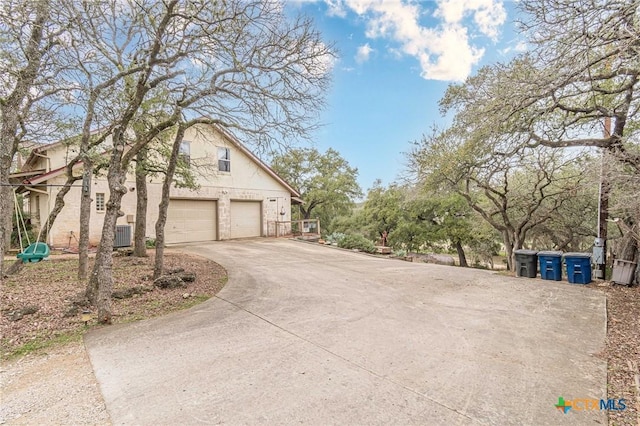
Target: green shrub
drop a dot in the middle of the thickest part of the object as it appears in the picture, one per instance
(400, 253)
(357, 241)
(335, 237)
(150, 242)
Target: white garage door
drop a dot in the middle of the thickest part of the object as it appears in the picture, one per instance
(246, 219)
(191, 221)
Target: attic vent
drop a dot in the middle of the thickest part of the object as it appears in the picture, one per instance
(123, 236)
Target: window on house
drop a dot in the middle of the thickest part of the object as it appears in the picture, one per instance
(185, 153)
(224, 159)
(100, 206)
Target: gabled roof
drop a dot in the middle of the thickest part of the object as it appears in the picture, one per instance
(263, 165)
(295, 195)
(38, 148)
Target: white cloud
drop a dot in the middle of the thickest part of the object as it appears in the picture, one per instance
(489, 15)
(443, 50)
(520, 47)
(454, 57)
(363, 53)
(336, 8)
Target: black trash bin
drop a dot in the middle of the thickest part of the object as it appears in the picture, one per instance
(526, 263)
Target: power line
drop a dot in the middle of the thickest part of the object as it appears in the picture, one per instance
(37, 184)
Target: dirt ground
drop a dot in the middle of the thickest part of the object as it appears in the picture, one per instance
(53, 387)
(43, 302)
(45, 374)
(56, 385)
(622, 350)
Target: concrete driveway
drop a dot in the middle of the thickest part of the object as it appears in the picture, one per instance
(309, 334)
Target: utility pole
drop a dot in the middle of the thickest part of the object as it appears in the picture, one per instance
(600, 244)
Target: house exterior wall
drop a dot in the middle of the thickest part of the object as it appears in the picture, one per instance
(247, 180)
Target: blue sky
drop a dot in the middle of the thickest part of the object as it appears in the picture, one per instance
(396, 59)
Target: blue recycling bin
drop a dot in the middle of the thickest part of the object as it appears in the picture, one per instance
(550, 265)
(526, 264)
(578, 267)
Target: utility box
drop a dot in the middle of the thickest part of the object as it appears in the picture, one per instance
(578, 267)
(550, 265)
(598, 251)
(526, 263)
(623, 271)
(123, 236)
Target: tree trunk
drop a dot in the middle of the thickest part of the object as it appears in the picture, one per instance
(508, 247)
(306, 214)
(626, 247)
(461, 256)
(6, 194)
(164, 203)
(7, 151)
(9, 218)
(85, 218)
(140, 243)
(100, 285)
(58, 205)
(10, 116)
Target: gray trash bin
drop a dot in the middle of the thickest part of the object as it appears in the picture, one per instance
(526, 263)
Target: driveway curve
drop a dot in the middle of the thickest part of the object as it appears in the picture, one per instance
(309, 334)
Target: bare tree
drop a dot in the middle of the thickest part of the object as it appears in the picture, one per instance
(30, 34)
(164, 200)
(242, 63)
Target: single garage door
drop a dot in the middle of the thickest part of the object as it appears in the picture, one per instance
(191, 220)
(246, 219)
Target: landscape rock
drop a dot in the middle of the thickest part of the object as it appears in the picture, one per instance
(169, 281)
(130, 292)
(187, 277)
(123, 252)
(18, 314)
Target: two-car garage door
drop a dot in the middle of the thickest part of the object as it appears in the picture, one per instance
(191, 221)
(197, 220)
